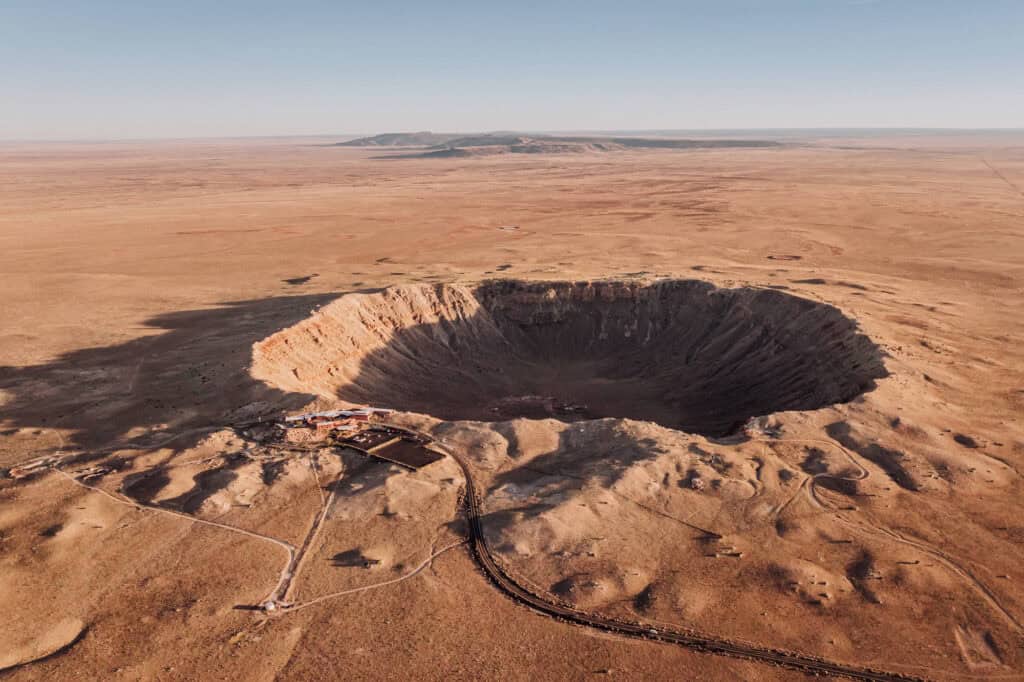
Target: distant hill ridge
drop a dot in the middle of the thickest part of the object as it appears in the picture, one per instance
(421, 139)
(448, 145)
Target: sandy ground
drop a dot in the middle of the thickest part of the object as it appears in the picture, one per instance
(137, 277)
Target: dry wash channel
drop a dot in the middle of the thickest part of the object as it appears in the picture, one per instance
(681, 353)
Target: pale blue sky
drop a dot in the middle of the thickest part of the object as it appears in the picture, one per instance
(98, 69)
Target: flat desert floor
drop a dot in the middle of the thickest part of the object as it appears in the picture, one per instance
(155, 294)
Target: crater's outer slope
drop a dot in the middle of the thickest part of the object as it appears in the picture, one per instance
(678, 352)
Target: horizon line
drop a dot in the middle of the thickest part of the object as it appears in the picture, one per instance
(552, 131)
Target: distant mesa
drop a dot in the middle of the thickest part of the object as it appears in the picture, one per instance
(420, 139)
(438, 145)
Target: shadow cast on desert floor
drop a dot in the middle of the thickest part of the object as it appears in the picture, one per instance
(192, 375)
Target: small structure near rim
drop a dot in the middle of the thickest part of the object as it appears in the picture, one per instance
(315, 419)
(34, 467)
(394, 445)
(318, 425)
(355, 429)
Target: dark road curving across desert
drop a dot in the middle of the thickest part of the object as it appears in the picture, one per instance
(706, 643)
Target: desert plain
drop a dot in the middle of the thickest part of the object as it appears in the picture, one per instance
(850, 488)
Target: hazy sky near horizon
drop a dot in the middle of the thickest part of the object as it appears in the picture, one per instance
(114, 70)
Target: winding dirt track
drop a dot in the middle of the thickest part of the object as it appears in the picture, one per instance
(287, 573)
(956, 566)
(691, 640)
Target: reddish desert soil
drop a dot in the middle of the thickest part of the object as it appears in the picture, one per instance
(155, 293)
